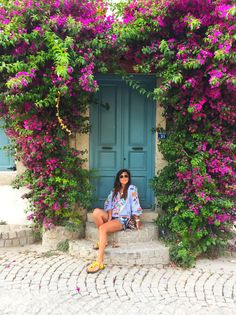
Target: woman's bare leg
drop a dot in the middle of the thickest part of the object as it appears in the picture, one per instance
(108, 227)
(99, 217)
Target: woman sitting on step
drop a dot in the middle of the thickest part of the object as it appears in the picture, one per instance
(120, 205)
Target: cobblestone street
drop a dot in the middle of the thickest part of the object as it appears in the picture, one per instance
(34, 282)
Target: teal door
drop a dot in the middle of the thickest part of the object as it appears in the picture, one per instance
(6, 161)
(121, 136)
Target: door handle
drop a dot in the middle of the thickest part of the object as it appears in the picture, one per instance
(137, 148)
(107, 148)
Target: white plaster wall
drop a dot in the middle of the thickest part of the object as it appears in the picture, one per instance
(160, 162)
(12, 206)
(80, 141)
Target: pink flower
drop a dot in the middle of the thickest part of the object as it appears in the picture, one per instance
(56, 206)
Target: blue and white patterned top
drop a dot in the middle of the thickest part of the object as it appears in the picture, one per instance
(121, 207)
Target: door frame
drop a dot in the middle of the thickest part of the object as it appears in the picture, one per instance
(151, 79)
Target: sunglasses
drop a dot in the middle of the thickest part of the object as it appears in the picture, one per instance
(124, 176)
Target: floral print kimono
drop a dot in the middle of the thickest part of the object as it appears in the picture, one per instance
(121, 207)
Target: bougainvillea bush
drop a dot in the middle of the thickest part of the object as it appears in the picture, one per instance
(49, 52)
(190, 45)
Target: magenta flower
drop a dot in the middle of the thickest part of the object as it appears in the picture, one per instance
(56, 206)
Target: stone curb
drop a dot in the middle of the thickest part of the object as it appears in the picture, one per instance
(15, 235)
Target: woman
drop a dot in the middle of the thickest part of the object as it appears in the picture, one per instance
(121, 203)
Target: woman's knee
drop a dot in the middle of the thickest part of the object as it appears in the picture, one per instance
(102, 229)
(96, 212)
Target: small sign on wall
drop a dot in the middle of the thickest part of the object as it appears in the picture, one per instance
(162, 135)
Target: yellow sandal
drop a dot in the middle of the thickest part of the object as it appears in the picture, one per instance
(95, 267)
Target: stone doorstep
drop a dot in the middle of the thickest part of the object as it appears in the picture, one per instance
(147, 216)
(148, 232)
(149, 253)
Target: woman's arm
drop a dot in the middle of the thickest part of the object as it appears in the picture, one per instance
(108, 206)
(136, 209)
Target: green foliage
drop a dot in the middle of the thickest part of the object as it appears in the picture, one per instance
(50, 253)
(47, 52)
(193, 23)
(58, 52)
(181, 255)
(63, 246)
(73, 226)
(37, 233)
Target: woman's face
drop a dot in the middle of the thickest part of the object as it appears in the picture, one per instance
(124, 178)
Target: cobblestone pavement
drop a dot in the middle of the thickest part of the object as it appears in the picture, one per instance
(34, 282)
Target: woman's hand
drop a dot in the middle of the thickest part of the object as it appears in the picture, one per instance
(137, 222)
(109, 215)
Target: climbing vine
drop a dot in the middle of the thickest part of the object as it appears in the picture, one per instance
(190, 45)
(49, 52)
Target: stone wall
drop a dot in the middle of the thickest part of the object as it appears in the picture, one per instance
(15, 235)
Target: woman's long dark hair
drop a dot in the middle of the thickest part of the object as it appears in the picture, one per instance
(117, 184)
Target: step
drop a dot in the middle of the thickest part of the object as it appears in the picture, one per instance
(147, 216)
(152, 253)
(148, 232)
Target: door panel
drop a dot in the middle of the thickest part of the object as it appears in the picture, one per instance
(108, 116)
(137, 160)
(138, 120)
(121, 137)
(105, 139)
